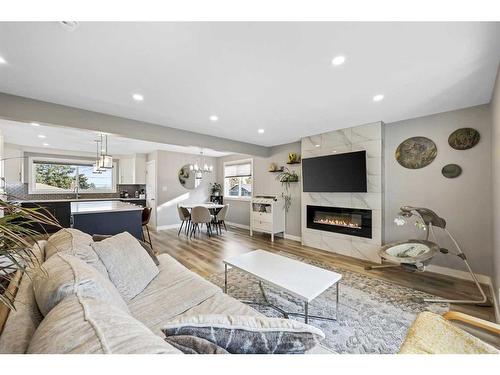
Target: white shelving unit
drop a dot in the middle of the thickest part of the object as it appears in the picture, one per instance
(267, 215)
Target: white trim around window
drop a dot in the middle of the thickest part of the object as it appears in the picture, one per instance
(237, 162)
(32, 178)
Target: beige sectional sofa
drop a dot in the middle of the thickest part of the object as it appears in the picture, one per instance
(174, 292)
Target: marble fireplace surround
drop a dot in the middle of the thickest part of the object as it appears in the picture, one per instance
(367, 137)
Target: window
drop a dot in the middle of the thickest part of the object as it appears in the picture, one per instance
(238, 179)
(52, 176)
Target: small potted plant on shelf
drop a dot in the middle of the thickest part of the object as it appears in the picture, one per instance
(215, 189)
(286, 177)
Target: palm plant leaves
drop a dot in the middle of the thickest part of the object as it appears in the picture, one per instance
(17, 237)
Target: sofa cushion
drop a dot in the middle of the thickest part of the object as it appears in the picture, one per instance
(65, 274)
(172, 292)
(130, 268)
(22, 322)
(66, 239)
(80, 325)
(194, 345)
(242, 334)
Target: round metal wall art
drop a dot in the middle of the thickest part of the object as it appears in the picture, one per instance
(464, 138)
(416, 152)
(451, 171)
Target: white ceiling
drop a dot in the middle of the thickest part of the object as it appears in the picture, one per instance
(75, 140)
(275, 76)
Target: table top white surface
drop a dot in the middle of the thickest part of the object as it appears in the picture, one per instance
(299, 278)
(102, 206)
(207, 205)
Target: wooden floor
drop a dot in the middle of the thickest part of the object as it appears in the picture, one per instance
(204, 255)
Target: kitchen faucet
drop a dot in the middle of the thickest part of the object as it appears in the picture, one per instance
(76, 191)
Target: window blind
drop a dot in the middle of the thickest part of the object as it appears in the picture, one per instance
(238, 170)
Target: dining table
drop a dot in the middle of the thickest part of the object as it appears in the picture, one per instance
(210, 206)
(214, 208)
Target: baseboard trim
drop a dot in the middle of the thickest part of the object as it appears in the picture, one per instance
(237, 225)
(165, 227)
(293, 238)
(483, 279)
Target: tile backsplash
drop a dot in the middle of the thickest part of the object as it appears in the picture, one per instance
(19, 191)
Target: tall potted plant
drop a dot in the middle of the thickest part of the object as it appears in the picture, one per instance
(17, 237)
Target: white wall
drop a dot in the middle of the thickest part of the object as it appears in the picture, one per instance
(265, 183)
(464, 201)
(495, 138)
(169, 191)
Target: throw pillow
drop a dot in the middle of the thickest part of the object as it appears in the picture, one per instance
(243, 334)
(66, 239)
(81, 325)
(194, 345)
(129, 267)
(100, 237)
(63, 275)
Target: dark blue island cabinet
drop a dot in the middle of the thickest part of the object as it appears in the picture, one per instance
(107, 217)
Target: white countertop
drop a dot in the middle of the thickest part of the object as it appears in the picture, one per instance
(300, 279)
(102, 207)
(78, 200)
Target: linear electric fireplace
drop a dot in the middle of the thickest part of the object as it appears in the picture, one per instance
(351, 221)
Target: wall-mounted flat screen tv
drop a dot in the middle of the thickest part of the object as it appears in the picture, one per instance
(345, 173)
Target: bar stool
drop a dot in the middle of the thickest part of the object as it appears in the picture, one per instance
(146, 216)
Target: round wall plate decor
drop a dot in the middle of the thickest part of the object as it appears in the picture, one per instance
(416, 152)
(451, 171)
(464, 138)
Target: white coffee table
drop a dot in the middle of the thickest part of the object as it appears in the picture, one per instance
(300, 279)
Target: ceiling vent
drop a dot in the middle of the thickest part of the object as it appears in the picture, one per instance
(69, 25)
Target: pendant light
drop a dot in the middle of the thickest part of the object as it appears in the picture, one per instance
(97, 170)
(200, 166)
(106, 161)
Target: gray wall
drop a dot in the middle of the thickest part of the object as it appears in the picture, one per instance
(464, 202)
(495, 109)
(266, 183)
(169, 191)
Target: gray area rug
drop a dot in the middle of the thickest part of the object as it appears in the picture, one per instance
(374, 315)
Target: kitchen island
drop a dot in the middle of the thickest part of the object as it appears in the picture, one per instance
(107, 217)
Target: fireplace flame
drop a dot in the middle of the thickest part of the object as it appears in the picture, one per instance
(338, 222)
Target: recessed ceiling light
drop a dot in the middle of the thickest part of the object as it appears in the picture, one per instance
(35, 123)
(2, 60)
(138, 97)
(41, 136)
(46, 144)
(316, 145)
(378, 98)
(214, 118)
(260, 131)
(338, 60)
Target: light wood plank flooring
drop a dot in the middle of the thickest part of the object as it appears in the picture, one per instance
(204, 255)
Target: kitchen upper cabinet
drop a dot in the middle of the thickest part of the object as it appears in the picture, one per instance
(132, 170)
(13, 166)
